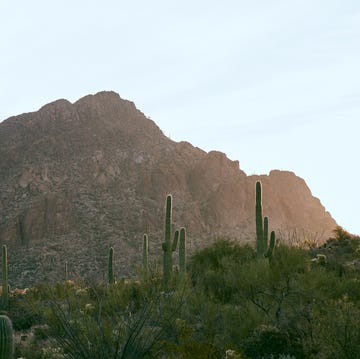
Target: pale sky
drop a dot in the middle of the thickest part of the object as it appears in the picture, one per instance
(273, 84)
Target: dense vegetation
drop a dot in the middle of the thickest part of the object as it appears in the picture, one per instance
(300, 304)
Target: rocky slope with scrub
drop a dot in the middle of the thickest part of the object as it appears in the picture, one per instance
(78, 178)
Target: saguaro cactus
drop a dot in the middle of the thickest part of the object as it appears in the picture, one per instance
(182, 251)
(266, 230)
(260, 243)
(111, 266)
(175, 241)
(6, 338)
(167, 246)
(66, 271)
(145, 252)
(5, 282)
(271, 246)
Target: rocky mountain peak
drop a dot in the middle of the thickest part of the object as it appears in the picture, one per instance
(78, 178)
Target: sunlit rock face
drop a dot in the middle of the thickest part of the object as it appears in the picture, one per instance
(78, 178)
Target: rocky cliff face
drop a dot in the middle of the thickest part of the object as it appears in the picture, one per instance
(77, 178)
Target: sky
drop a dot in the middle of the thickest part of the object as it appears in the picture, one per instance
(273, 84)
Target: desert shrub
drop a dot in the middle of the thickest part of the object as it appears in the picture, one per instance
(213, 257)
(36, 344)
(187, 346)
(289, 261)
(22, 313)
(337, 328)
(112, 322)
(241, 294)
(266, 342)
(342, 252)
(214, 268)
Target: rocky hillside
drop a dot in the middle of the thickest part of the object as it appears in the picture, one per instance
(77, 178)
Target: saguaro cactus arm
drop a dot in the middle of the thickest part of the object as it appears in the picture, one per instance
(175, 241)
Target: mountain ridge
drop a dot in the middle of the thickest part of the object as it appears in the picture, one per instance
(78, 177)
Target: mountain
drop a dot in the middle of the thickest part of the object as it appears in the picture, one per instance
(78, 178)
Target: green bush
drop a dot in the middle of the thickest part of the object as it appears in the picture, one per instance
(337, 328)
(215, 268)
(266, 342)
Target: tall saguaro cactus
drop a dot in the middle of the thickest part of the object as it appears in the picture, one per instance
(111, 266)
(168, 246)
(182, 251)
(5, 282)
(260, 243)
(6, 338)
(263, 248)
(145, 252)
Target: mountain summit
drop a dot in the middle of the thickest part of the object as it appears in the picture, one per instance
(78, 178)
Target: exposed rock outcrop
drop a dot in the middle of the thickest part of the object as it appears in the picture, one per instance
(77, 178)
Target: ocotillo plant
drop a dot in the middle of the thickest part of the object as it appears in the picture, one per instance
(145, 252)
(260, 243)
(182, 251)
(167, 246)
(5, 283)
(6, 338)
(111, 266)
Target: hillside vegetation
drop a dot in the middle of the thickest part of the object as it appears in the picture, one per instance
(300, 304)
